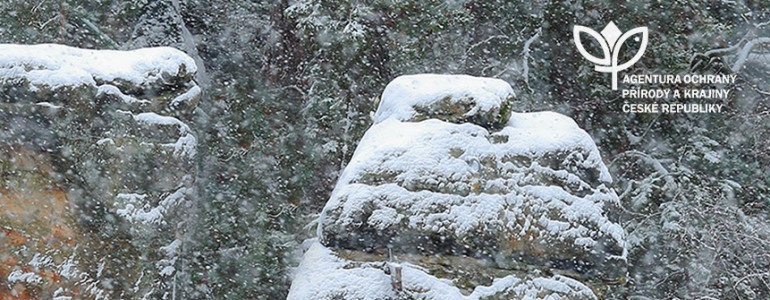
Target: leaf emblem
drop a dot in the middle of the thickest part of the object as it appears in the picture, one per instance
(604, 61)
(611, 45)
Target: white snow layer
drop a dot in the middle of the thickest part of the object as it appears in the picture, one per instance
(406, 93)
(131, 208)
(108, 89)
(28, 277)
(56, 66)
(184, 145)
(323, 275)
(433, 165)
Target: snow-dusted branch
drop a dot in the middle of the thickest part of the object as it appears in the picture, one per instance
(654, 163)
(763, 24)
(742, 52)
(525, 55)
(487, 40)
(746, 50)
(660, 170)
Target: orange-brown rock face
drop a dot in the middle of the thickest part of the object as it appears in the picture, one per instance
(36, 218)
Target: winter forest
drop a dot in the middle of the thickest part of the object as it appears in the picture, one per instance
(382, 149)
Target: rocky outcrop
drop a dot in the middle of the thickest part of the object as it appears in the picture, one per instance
(449, 195)
(456, 99)
(108, 155)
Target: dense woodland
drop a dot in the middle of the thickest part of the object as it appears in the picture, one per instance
(291, 86)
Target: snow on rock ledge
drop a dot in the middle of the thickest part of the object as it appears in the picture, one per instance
(324, 275)
(528, 196)
(452, 98)
(81, 78)
(55, 66)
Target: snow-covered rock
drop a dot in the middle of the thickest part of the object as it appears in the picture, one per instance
(72, 75)
(451, 98)
(119, 110)
(110, 129)
(323, 274)
(58, 66)
(532, 193)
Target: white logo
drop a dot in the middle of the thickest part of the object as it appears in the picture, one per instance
(611, 39)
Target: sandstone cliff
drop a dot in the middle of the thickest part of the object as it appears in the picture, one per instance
(450, 195)
(89, 136)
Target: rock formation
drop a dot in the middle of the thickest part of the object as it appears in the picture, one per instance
(450, 195)
(105, 132)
